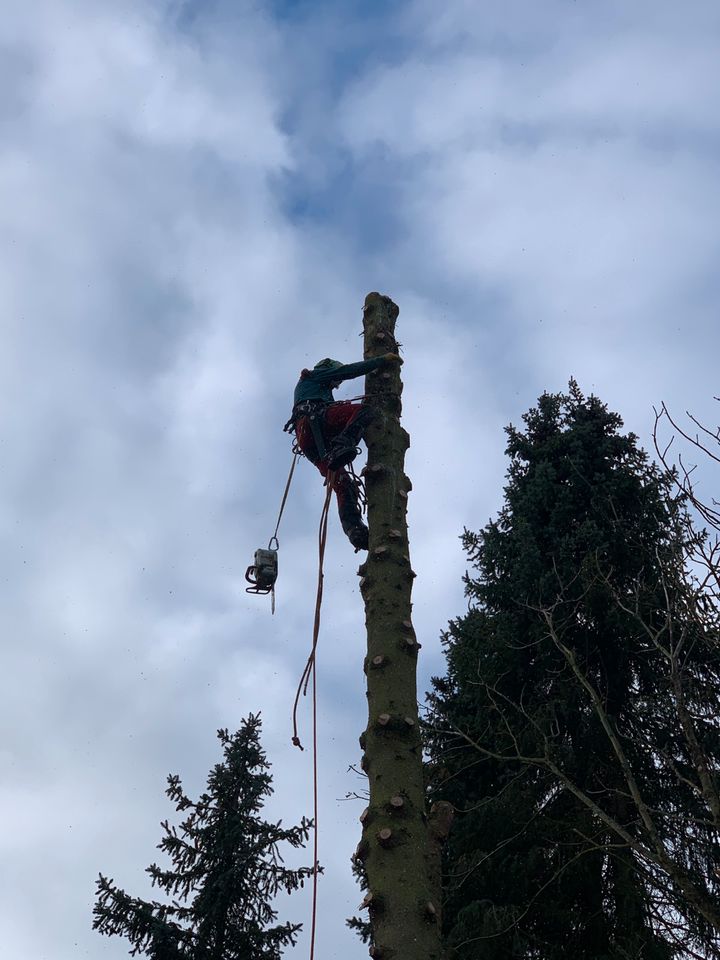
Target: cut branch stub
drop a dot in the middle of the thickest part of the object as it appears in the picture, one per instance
(397, 803)
(361, 851)
(385, 837)
(366, 901)
(372, 472)
(364, 815)
(372, 902)
(395, 535)
(430, 911)
(384, 719)
(380, 551)
(410, 644)
(379, 661)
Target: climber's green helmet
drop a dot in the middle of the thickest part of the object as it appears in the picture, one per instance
(328, 364)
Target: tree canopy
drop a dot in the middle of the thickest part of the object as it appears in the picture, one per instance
(225, 869)
(578, 710)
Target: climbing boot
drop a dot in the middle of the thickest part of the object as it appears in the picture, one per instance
(358, 536)
(343, 451)
(344, 448)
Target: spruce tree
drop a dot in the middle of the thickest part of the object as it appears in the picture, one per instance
(226, 868)
(581, 827)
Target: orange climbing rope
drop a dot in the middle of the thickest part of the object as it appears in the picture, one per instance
(309, 673)
(310, 665)
(315, 815)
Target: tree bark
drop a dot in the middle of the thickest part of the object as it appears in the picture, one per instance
(399, 844)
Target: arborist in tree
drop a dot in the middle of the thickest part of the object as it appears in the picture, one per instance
(328, 432)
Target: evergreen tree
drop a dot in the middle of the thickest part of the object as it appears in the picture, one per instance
(226, 869)
(581, 827)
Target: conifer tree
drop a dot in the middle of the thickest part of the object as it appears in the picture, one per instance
(576, 730)
(226, 868)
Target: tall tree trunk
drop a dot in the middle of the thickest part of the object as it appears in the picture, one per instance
(400, 845)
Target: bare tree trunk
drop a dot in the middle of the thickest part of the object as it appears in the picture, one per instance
(400, 846)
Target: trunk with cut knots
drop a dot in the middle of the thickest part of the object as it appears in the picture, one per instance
(400, 846)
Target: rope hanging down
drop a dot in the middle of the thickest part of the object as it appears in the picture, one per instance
(308, 674)
(296, 454)
(310, 665)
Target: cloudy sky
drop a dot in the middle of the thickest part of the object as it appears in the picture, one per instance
(195, 198)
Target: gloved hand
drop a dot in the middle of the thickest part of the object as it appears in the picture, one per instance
(392, 358)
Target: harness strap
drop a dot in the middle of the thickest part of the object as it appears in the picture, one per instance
(305, 408)
(318, 436)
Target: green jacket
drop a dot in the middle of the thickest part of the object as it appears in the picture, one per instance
(318, 384)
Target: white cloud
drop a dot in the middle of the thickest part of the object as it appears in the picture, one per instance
(559, 165)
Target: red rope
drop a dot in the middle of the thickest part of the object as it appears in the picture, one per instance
(315, 815)
(310, 665)
(310, 673)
